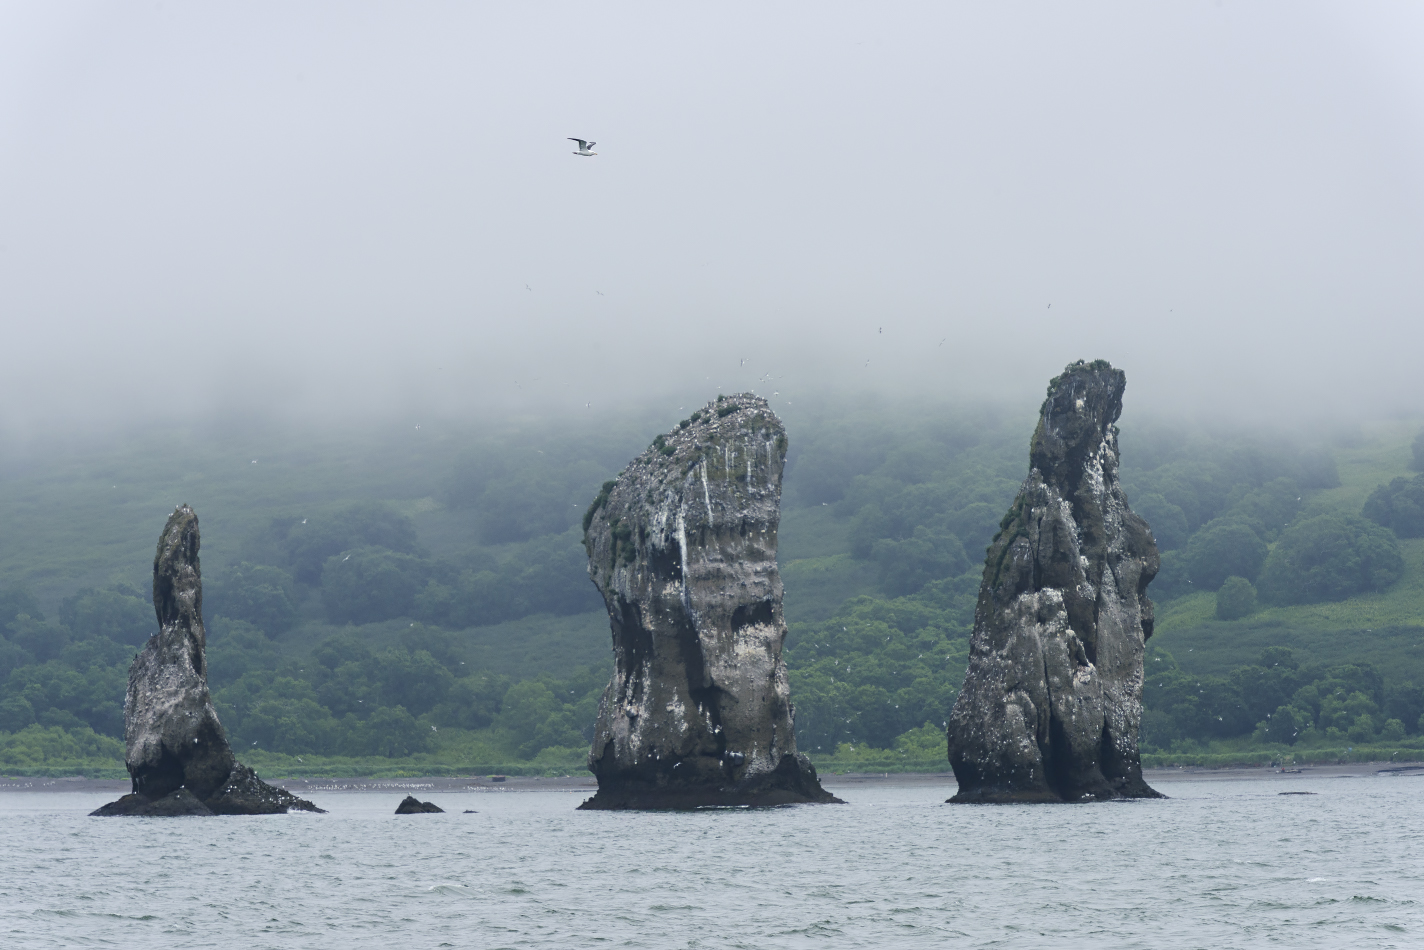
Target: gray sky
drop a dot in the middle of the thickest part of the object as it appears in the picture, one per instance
(336, 208)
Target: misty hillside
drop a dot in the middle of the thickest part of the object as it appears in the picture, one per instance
(424, 590)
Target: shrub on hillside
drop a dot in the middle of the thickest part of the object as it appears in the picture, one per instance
(1399, 506)
(304, 544)
(1284, 725)
(1167, 521)
(1268, 509)
(1330, 557)
(1223, 549)
(257, 593)
(15, 601)
(1236, 599)
(371, 584)
(546, 575)
(120, 613)
(908, 565)
(40, 640)
(1172, 578)
(40, 746)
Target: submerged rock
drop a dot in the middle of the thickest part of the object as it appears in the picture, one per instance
(175, 744)
(413, 806)
(1052, 699)
(682, 546)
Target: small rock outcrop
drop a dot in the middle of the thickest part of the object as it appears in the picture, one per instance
(177, 753)
(413, 806)
(1052, 699)
(682, 546)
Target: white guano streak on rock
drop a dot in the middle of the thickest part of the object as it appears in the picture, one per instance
(679, 709)
(706, 494)
(682, 553)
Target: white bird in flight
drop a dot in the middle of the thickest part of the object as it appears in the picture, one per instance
(584, 148)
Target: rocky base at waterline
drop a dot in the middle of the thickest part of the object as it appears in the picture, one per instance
(414, 806)
(1052, 697)
(682, 546)
(176, 751)
(792, 782)
(243, 794)
(172, 805)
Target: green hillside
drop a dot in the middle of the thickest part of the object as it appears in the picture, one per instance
(417, 599)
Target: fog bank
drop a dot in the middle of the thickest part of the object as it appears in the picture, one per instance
(371, 211)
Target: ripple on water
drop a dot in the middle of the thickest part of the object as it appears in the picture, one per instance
(1224, 864)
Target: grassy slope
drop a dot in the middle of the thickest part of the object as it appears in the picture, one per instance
(91, 517)
(817, 573)
(1385, 629)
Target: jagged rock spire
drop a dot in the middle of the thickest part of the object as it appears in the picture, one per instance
(1052, 699)
(177, 753)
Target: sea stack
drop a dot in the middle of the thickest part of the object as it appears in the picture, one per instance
(1052, 699)
(177, 754)
(682, 546)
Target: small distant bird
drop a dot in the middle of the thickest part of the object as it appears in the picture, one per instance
(584, 148)
(345, 559)
(254, 461)
(304, 521)
(1050, 306)
(417, 427)
(600, 293)
(742, 363)
(588, 405)
(881, 330)
(941, 342)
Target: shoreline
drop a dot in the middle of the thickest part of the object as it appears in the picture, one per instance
(587, 784)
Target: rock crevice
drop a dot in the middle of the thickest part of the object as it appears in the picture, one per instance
(176, 751)
(682, 546)
(1052, 699)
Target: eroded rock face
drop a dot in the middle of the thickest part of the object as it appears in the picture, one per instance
(682, 546)
(410, 805)
(177, 753)
(1052, 698)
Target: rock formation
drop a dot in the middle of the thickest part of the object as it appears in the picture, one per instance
(682, 546)
(414, 806)
(177, 753)
(1052, 699)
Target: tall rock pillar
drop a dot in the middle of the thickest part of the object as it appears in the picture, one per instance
(682, 546)
(177, 753)
(1052, 699)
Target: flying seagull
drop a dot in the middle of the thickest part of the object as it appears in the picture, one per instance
(584, 147)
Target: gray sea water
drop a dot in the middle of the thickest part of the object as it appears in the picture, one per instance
(1220, 864)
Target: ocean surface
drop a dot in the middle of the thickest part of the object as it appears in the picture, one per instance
(1220, 864)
